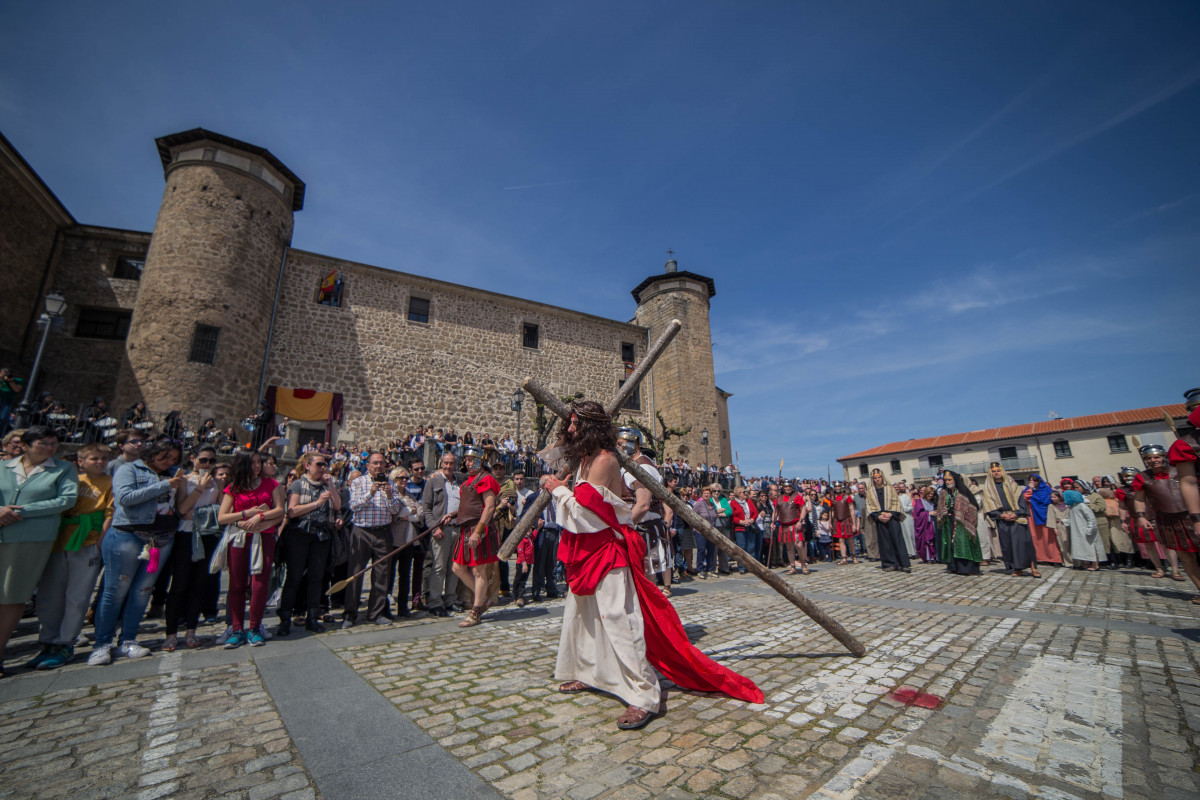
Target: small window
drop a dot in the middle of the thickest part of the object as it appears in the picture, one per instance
(418, 309)
(129, 268)
(895, 467)
(529, 336)
(204, 344)
(634, 403)
(103, 323)
(1062, 449)
(935, 461)
(862, 470)
(1117, 443)
(627, 352)
(1008, 453)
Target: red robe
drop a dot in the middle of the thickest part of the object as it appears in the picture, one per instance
(589, 557)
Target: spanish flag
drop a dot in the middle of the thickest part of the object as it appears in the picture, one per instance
(328, 284)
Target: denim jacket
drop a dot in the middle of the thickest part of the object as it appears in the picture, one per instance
(137, 491)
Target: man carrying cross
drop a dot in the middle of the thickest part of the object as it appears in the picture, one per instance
(617, 627)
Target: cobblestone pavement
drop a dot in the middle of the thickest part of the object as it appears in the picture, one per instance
(1077, 685)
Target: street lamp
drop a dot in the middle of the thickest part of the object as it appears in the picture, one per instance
(518, 400)
(704, 441)
(55, 304)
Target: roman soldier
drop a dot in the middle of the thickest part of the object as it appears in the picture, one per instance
(1143, 537)
(648, 511)
(842, 508)
(1183, 456)
(789, 512)
(1158, 504)
(480, 540)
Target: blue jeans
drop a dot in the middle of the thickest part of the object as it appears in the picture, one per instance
(749, 540)
(125, 577)
(706, 554)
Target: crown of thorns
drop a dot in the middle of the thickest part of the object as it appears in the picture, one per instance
(586, 413)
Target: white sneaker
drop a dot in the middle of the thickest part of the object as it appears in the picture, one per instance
(132, 650)
(266, 634)
(224, 637)
(100, 656)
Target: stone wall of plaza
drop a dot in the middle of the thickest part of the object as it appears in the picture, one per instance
(30, 216)
(182, 317)
(458, 369)
(83, 360)
(1090, 453)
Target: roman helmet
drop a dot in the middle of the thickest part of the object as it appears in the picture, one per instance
(1147, 450)
(629, 438)
(1125, 475)
(470, 451)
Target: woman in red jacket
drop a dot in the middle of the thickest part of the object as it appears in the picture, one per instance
(745, 533)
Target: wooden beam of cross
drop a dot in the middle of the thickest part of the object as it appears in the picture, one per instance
(631, 384)
(689, 515)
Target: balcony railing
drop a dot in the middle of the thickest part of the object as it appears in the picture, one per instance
(1022, 464)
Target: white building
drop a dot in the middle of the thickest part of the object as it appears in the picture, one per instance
(1099, 444)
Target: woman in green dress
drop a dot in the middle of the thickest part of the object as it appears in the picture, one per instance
(958, 516)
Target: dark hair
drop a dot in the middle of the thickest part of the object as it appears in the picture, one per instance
(127, 434)
(36, 433)
(241, 473)
(158, 448)
(202, 448)
(592, 432)
(420, 461)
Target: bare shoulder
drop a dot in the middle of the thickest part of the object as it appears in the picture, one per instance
(605, 470)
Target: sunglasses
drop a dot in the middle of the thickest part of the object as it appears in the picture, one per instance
(320, 464)
(206, 460)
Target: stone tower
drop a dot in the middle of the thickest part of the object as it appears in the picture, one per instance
(200, 325)
(683, 384)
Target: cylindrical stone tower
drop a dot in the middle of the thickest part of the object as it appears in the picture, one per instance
(200, 324)
(683, 379)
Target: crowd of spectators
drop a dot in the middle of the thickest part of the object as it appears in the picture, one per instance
(146, 526)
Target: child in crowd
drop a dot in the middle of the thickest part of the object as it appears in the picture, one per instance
(824, 537)
(65, 589)
(524, 567)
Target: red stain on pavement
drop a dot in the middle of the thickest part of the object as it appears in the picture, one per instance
(911, 697)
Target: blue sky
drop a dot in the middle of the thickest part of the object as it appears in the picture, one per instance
(921, 218)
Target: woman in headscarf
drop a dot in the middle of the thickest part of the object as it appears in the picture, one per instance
(1085, 535)
(1045, 542)
(1058, 519)
(1008, 508)
(958, 517)
(924, 504)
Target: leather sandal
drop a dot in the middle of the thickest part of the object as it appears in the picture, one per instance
(1159, 574)
(573, 687)
(791, 571)
(171, 644)
(192, 641)
(474, 617)
(634, 719)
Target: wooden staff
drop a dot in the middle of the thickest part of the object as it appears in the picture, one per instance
(689, 515)
(532, 515)
(342, 584)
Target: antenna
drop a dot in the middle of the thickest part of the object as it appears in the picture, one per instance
(1053, 415)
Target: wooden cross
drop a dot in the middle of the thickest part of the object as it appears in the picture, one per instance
(680, 507)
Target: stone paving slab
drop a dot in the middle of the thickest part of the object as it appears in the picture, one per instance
(1078, 685)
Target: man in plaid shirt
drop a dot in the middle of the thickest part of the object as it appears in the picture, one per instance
(374, 501)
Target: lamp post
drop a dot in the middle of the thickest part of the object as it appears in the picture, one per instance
(518, 400)
(55, 304)
(704, 441)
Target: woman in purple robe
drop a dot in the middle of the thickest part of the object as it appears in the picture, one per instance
(926, 534)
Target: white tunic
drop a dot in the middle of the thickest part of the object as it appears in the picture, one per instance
(602, 642)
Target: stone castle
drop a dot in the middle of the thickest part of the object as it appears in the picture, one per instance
(213, 308)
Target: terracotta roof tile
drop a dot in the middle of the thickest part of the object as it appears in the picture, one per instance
(1111, 419)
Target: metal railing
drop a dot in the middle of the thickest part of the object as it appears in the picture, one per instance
(1022, 464)
(76, 425)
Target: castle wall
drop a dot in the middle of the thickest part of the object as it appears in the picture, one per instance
(77, 368)
(213, 260)
(684, 378)
(459, 369)
(29, 218)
